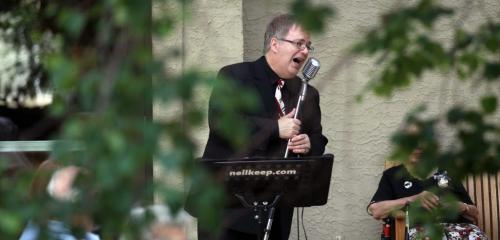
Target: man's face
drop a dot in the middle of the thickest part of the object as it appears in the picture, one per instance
(289, 57)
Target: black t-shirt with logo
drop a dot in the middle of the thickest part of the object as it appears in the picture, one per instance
(397, 182)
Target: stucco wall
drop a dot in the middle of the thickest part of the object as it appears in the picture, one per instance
(221, 32)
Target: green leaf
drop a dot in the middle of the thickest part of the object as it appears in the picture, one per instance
(455, 115)
(471, 60)
(492, 70)
(312, 18)
(489, 104)
(72, 21)
(462, 39)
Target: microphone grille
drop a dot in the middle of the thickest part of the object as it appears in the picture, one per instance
(310, 68)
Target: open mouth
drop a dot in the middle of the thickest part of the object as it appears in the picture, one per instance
(298, 60)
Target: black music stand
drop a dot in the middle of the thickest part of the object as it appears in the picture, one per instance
(260, 183)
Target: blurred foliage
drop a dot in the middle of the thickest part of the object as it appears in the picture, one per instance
(419, 216)
(100, 67)
(96, 56)
(312, 17)
(17, 28)
(405, 48)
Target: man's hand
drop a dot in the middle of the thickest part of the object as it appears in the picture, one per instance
(300, 144)
(288, 126)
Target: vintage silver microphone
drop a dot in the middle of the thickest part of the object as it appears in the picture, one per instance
(310, 69)
(308, 72)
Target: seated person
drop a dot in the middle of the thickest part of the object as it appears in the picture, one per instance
(399, 186)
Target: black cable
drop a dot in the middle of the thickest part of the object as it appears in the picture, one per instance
(303, 227)
(298, 227)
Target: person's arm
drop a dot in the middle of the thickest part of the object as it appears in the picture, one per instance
(383, 209)
(385, 200)
(465, 205)
(382, 202)
(468, 211)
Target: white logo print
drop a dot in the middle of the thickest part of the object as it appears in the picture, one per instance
(408, 184)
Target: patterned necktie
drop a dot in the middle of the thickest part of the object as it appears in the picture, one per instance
(279, 99)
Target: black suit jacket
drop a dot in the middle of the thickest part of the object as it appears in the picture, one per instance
(263, 125)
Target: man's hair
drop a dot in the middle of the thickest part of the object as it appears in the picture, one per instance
(278, 27)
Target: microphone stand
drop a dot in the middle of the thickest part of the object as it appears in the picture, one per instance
(302, 98)
(259, 209)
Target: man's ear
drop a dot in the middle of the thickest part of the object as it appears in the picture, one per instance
(273, 45)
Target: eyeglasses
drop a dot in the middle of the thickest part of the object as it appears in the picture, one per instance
(301, 44)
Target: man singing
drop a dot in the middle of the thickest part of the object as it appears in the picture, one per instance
(274, 78)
